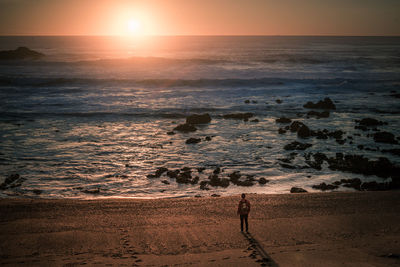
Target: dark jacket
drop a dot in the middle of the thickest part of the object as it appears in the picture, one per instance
(241, 210)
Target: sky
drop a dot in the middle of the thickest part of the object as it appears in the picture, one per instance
(200, 17)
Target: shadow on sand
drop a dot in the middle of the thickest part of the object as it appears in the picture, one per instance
(258, 252)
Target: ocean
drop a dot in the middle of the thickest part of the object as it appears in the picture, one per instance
(90, 119)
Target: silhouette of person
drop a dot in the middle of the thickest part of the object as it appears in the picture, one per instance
(243, 211)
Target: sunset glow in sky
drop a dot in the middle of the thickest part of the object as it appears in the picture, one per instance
(193, 17)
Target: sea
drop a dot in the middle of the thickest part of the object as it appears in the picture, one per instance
(90, 119)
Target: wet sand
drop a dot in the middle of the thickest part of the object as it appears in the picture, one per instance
(318, 229)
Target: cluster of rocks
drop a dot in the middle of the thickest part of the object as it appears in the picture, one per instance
(303, 131)
(185, 176)
(366, 124)
(12, 181)
(357, 184)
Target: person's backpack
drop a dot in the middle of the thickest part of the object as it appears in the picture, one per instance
(243, 207)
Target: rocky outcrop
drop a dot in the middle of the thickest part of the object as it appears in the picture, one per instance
(304, 132)
(21, 53)
(198, 119)
(385, 137)
(239, 116)
(193, 140)
(283, 120)
(322, 104)
(370, 122)
(185, 128)
(358, 164)
(297, 190)
(13, 180)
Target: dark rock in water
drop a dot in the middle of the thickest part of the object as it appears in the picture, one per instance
(215, 195)
(296, 146)
(278, 101)
(184, 178)
(255, 120)
(217, 170)
(151, 176)
(186, 169)
(216, 181)
(314, 164)
(235, 176)
(198, 119)
(373, 186)
(245, 183)
(239, 116)
(304, 132)
(358, 164)
(37, 191)
(340, 141)
(203, 185)
(322, 104)
(173, 174)
(208, 138)
(320, 157)
(395, 95)
(297, 190)
(262, 180)
(323, 114)
(352, 183)
(164, 182)
(185, 128)
(394, 151)
(160, 171)
(371, 122)
(201, 169)
(287, 166)
(338, 134)
(247, 101)
(384, 137)
(361, 147)
(295, 126)
(13, 180)
(193, 140)
(324, 186)
(254, 101)
(171, 133)
(283, 120)
(94, 191)
(281, 131)
(19, 54)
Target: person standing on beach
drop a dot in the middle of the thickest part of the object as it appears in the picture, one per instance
(243, 211)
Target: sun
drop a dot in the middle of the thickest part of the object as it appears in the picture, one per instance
(133, 27)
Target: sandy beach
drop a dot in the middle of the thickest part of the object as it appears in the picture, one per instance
(319, 229)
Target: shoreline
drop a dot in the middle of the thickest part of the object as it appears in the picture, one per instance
(330, 229)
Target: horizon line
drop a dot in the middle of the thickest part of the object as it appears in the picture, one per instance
(192, 35)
